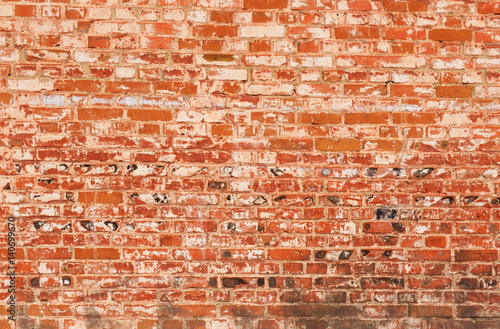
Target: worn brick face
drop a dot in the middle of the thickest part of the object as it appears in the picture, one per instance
(241, 164)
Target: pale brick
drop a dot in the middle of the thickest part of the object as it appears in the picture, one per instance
(263, 31)
(30, 84)
(228, 74)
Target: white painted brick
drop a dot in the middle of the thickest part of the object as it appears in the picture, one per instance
(9, 55)
(456, 119)
(178, 15)
(263, 31)
(265, 60)
(228, 74)
(197, 16)
(6, 10)
(268, 89)
(100, 13)
(30, 84)
(110, 27)
(319, 62)
(125, 72)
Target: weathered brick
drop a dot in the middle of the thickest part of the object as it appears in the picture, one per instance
(357, 33)
(100, 197)
(476, 255)
(175, 87)
(490, 7)
(368, 118)
(265, 4)
(430, 311)
(325, 144)
(215, 31)
(291, 144)
(251, 164)
(454, 91)
(99, 114)
(267, 31)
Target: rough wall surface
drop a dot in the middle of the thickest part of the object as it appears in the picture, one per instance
(263, 164)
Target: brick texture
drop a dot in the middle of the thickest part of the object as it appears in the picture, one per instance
(267, 164)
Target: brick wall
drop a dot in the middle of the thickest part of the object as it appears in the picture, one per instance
(270, 164)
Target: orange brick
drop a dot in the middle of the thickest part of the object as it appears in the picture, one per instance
(363, 90)
(450, 35)
(362, 32)
(222, 16)
(100, 197)
(329, 144)
(127, 87)
(222, 130)
(489, 7)
(415, 118)
(320, 118)
(99, 113)
(454, 91)
(25, 10)
(98, 42)
(260, 46)
(149, 115)
(78, 85)
(251, 163)
(5, 98)
(175, 87)
(368, 118)
(265, 4)
(215, 31)
(430, 311)
(107, 253)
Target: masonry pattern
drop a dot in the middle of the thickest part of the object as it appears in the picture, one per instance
(268, 164)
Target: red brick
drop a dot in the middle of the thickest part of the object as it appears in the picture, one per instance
(476, 255)
(215, 31)
(454, 91)
(428, 311)
(418, 5)
(194, 310)
(98, 42)
(90, 86)
(5, 98)
(415, 118)
(243, 311)
(126, 87)
(291, 144)
(362, 90)
(100, 197)
(25, 10)
(367, 118)
(176, 87)
(149, 115)
(222, 16)
(320, 118)
(76, 12)
(326, 144)
(490, 7)
(289, 254)
(362, 32)
(182, 164)
(411, 91)
(450, 35)
(435, 241)
(430, 255)
(265, 4)
(99, 114)
(257, 46)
